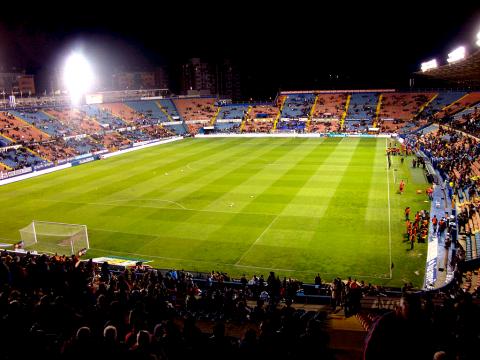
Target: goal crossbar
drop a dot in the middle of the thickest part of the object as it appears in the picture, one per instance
(55, 237)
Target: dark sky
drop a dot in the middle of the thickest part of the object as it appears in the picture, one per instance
(295, 46)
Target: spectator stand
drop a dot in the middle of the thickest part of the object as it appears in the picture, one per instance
(41, 120)
(465, 102)
(150, 111)
(19, 130)
(103, 116)
(440, 102)
(442, 245)
(361, 111)
(261, 118)
(230, 117)
(5, 140)
(281, 100)
(16, 157)
(398, 110)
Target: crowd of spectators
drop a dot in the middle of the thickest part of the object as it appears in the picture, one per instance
(454, 155)
(292, 125)
(19, 158)
(298, 107)
(231, 128)
(467, 122)
(58, 307)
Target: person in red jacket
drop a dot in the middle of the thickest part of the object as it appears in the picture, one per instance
(434, 223)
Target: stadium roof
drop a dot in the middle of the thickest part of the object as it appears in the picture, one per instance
(465, 72)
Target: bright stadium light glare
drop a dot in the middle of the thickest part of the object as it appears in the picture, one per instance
(77, 76)
(432, 64)
(457, 54)
(478, 38)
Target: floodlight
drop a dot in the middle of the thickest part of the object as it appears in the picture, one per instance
(478, 38)
(457, 54)
(432, 64)
(77, 76)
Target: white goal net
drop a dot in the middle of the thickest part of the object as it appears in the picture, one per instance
(54, 237)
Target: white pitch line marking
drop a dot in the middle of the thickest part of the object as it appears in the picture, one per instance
(258, 238)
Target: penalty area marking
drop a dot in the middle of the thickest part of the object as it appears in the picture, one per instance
(167, 201)
(255, 242)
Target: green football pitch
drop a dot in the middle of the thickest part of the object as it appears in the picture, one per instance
(295, 206)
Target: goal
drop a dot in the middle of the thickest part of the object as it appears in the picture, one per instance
(54, 237)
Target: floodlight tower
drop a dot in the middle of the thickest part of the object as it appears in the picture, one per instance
(428, 65)
(77, 76)
(457, 54)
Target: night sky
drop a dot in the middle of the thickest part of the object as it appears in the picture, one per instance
(275, 46)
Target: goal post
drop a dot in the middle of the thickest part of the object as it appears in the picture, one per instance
(55, 237)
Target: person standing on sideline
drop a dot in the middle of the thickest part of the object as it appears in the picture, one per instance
(434, 223)
(402, 186)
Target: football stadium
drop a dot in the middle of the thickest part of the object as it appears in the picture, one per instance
(329, 223)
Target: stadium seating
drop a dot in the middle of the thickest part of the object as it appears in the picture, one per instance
(462, 103)
(398, 110)
(442, 100)
(137, 135)
(103, 116)
(74, 120)
(42, 121)
(324, 126)
(261, 126)
(466, 114)
(291, 125)
(195, 128)
(170, 109)
(232, 112)
(54, 150)
(124, 112)
(402, 106)
(149, 109)
(235, 113)
(4, 141)
(4, 168)
(158, 131)
(178, 129)
(260, 118)
(85, 145)
(228, 127)
(361, 111)
(264, 112)
(112, 140)
(196, 108)
(19, 130)
(19, 158)
(329, 106)
(297, 106)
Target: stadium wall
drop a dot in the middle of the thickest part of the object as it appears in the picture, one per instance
(287, 135)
